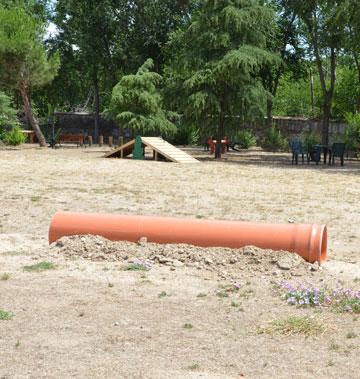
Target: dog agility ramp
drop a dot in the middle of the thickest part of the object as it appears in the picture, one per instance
(159, 146)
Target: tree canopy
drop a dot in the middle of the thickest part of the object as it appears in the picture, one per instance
(221, 55)
(23, 60)
(224, 63)
(136, 103)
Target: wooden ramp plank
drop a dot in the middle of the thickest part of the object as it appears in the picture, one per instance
(157, 144)
(126, 150)
(169, 151)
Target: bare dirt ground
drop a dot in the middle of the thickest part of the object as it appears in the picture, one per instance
(90, 317)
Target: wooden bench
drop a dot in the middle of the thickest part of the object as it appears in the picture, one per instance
(77, 139)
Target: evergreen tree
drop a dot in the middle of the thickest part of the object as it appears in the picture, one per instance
(222, 54)
(23, 60)
(136, 103)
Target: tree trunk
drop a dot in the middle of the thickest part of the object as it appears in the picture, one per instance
(326, 120)
(358, 71)
(97, 108)
(220, 135)
(30, 116)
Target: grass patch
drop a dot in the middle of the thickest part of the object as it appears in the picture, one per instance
(225, 290)
(4, 315)
(194, 366)
(162, 294)
(351, 335)
(137, 267)
(5, 276)
(41, 266)
(201, 294)
(35, 199)
(294, 325)
(187, 326)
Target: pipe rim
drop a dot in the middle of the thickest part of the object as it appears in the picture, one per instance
(323, 244)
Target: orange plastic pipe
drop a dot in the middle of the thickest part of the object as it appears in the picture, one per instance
(309, 241)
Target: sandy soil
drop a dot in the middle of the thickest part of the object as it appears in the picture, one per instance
(90, 318)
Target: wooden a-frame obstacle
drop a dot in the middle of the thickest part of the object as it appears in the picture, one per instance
(159, 147)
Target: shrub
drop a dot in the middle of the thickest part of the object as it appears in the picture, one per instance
(245, 138)
(274, 141)
(352, 132)
(186, 135)
(14, 137)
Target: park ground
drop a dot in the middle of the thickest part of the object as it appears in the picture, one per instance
(88, 317)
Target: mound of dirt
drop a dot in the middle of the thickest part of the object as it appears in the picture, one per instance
(222, 260)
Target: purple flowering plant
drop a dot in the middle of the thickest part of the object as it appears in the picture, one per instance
(308, 295)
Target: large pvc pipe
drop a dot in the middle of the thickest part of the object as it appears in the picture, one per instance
(309, 241)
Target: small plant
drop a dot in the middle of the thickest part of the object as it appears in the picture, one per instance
(274, 141)
(17, 344)
(194, 366)
(224, 290)
(201, 294)
(41, 266)
(14, 137)
(187, 326)
(294, 326)
(308, 295)
(334, 346)
(351, 335)
(5, 276)
(245, 138)
(162, 294)
(234, 304)
(138, 265)
(4, 315)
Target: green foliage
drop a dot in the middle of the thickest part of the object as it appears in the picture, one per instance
(136, 103)
(41, 266)
(274, 141)
(14, 137)
(245, 138)
(294, 98)
(347, 92)
(8, 115)
(186, 134)
(22, 55)
(216, 62)
(5, 316)
(352, 133)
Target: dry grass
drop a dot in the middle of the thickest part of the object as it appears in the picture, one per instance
(295, 325)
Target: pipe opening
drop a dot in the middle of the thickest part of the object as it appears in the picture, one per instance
(323, 244)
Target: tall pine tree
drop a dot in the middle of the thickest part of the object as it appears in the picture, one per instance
(136, 103)
(220, 59)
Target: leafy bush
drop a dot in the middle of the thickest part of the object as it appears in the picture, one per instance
(14, 137)
(245, 138)
(186, 135)
(274, 141)
(8, 118)
(310, 139)
(352, 132)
